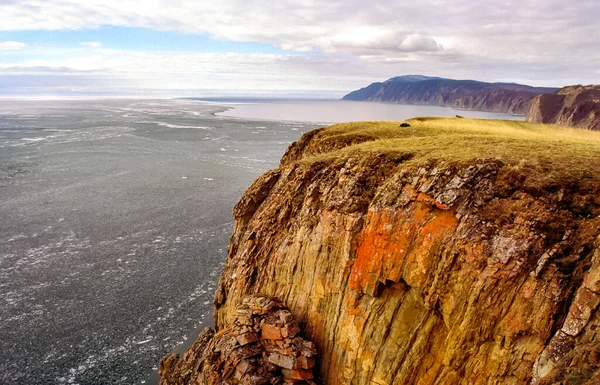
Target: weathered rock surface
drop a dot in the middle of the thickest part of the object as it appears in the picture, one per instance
(409, 273)
(463, 94)
(262, 345)
(433, 274)
(575, 106)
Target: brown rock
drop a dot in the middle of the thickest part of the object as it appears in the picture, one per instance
(247, 338)
(304, 363)
(280, 360)
(237, 354)
(255, 380)
(285, 316)
(244, 367)
(290, 329)
(270, 332)
(297, 374)
(575, 106)
(417, 274)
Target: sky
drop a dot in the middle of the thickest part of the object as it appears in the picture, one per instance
(295, 48)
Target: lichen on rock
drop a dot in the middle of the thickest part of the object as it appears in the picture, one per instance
(421, 273)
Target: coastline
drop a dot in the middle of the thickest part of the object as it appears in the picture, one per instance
(208, 321)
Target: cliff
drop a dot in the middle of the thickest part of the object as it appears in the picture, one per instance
(460, 94)
(575, 106)
(453, 251)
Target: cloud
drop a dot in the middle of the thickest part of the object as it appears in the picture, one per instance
(494, 28)
(335, 45)
(188, 73)
(11, 45)
(91, 44)
(373, 42)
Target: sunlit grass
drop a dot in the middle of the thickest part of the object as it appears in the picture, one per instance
(550, 148)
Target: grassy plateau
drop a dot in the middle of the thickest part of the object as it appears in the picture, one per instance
(556, 150)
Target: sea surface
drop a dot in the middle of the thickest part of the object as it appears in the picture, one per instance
(337, 111)
(115, 218)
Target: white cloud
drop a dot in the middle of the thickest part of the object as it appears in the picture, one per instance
(351, 42)
(11, 45)
(189, 73)
(493, 28)
(91, 44)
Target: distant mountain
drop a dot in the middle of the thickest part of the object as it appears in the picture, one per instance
(575, 106)
(509, 98)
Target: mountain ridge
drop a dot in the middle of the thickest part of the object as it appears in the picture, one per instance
(511, 98)
(575, 106)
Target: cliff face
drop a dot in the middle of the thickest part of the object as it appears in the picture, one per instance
(424, 275)
(575, 106)
(408, 270)
(461, 94)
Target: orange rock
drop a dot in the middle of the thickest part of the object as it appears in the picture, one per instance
(297, 374)
(270, 332)
(305, 362)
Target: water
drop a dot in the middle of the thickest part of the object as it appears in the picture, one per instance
(346, 111)
(115, 218)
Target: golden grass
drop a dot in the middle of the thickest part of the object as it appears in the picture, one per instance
(550, 148)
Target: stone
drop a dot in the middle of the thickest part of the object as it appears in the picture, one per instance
(290, 329)
(304, 362)
(247, 338)
(297, 374)
(247, 353)
(255, 380)
(285, 316)
(281, 360)
(244, 367)
(270, 332)
(580, 313)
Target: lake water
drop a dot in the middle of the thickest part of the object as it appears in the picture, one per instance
(345, 111)
(115, 218)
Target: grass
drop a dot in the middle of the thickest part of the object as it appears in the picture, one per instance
(552, 149)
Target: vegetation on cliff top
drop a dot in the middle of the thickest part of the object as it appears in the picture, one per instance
(550, 148)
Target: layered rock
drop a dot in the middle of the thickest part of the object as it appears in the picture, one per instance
(508, 98)
(575, 106)
(261, 346)
(437, 273)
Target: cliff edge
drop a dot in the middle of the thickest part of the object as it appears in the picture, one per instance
(453, 251)
(575, 106)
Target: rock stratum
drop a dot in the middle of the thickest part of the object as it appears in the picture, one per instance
(408, 268)
(262, 345)
(508, 98)
(575, 106)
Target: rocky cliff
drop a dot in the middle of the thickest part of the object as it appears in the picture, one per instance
(409, 266)
(461, 94)
(575, 106)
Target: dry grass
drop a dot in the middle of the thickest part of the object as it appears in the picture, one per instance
(552, 149)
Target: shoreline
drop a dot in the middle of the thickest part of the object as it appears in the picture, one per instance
(209, 321)
(339, 111)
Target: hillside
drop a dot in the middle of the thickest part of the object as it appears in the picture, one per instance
(575, 106)
(453, 251)
(461, 94)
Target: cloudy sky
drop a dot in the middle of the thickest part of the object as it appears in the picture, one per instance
(288, 47)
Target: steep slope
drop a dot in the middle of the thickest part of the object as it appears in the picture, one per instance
(575, 106)
(462, 94)
(454, 251)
